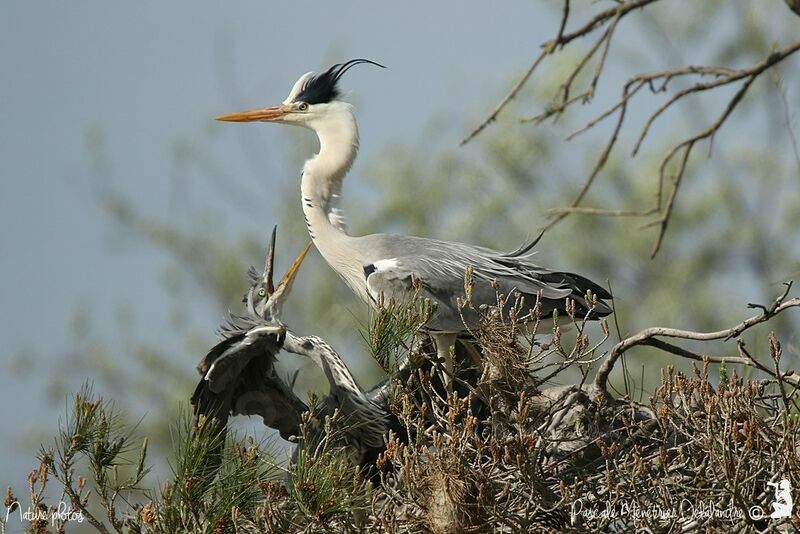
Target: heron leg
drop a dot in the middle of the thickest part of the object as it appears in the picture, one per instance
(445, 348)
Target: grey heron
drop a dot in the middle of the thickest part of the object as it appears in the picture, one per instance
(365, 419)
(239, 377)
(382, 266)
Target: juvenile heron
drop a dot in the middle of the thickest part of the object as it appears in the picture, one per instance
(381, 266)
(239, 377)
(365, 419)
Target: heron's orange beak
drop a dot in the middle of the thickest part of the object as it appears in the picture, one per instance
(264, 114)
(288, 278)
(285, 285)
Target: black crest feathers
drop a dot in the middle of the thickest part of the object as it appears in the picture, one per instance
(323, 88)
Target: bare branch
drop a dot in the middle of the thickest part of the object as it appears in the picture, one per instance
(614, 14)
(595, 171)
(648, 335)
(510, 96)
(657, 82)
(602, 212)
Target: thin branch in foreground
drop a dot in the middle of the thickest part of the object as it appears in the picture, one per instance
(648, 337)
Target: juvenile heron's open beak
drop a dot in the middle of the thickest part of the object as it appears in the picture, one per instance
(283, 289)
(288, 278)
(273, 113)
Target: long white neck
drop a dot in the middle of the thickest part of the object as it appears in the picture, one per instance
(321, 188)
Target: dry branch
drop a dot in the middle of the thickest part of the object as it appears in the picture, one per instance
(561, 40)
(649, 337)
(606, 22)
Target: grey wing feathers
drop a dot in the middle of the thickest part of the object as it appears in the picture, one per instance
(366, 420)
(235, 325)
(239, 378)
(260, 391)
(440, 267)
(225, 362)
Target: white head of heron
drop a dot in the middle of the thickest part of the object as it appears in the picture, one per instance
(264, 299)
(312, 102)
(377, 266)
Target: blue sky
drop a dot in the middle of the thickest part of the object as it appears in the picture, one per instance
(149, 73)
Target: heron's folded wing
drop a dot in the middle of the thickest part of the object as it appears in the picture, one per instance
(440, 267)
(442, 279)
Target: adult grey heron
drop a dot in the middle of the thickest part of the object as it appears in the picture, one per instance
(381, 266)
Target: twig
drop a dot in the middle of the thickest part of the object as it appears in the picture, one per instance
(787, 115)
(595, 171)
(564, 18)
(657, 82)
(77, 503)
(562, 39)
(663, 221)
(506, 99)
(599, 212)
(646, 336)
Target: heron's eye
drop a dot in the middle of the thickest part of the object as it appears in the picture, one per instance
(262, 292)
(302, 106)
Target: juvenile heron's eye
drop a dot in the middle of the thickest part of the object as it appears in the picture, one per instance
(303, 106)
(262, 292)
